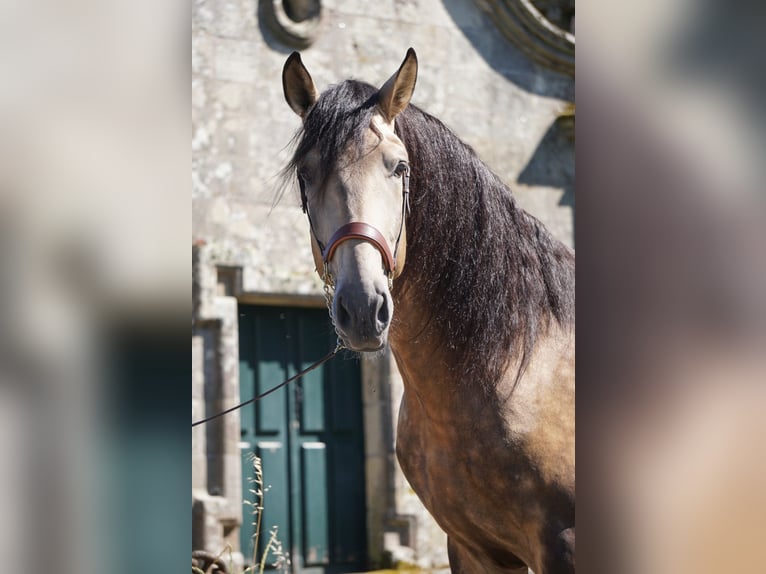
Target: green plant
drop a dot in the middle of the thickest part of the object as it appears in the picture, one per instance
(273, 545)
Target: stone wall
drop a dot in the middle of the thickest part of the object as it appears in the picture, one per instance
(470, 77)
(517, 115)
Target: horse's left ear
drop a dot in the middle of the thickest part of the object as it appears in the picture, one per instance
(395, 94)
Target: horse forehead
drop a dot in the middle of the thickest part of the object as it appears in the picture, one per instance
(385, 130)
(379, 138)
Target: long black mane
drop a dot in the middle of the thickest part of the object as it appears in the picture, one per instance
(489, 275)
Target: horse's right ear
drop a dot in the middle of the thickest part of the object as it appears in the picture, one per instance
(298, 86)
(395, 94)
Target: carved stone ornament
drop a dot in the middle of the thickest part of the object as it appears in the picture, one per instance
(542, 29)
(293, 22)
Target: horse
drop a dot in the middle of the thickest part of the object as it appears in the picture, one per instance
(422, 247)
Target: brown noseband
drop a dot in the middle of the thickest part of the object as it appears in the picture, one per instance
(365, 232)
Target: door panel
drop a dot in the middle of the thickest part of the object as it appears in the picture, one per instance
(270, 333)
(264, 425)
(274, 457)
(309, 436)
(315, 539)
(311, 398)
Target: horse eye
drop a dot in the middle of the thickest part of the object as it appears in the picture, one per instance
(401, 168)
(304, 179)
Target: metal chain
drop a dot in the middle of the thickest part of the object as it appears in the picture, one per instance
(329, 291)
(329, 294)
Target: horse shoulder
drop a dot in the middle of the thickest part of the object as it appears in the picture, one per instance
(540, 409)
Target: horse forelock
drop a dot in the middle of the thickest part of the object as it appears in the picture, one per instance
(335, 127)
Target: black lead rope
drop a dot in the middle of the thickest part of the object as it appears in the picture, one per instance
(319, 363)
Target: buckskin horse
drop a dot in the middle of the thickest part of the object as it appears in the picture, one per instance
(421, 246)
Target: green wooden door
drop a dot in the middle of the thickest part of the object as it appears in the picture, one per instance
(309, 436)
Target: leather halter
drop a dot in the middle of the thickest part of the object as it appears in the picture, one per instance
(363, 231)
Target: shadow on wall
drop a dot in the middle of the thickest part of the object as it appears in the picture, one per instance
(504, 57)
(553, 163)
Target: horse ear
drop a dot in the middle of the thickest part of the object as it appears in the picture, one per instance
(395, 94)
(298, 86)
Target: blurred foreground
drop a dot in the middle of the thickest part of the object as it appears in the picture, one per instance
(671, 302)
(94, 287)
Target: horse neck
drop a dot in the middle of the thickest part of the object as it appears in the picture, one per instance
(418, 328)
(432, 387)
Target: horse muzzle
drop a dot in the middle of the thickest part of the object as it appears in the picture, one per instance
(362, 316)
(362, 309)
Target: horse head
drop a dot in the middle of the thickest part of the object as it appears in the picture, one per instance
(353, 172)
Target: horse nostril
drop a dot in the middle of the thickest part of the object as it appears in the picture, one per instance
(343, 317)
(383, 314)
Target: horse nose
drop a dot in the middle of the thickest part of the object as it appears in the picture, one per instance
(360, 316)
(365, 318)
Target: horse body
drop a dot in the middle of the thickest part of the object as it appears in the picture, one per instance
(478, 309)
(496, 468)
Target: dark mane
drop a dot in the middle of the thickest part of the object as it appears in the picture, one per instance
(493, 276)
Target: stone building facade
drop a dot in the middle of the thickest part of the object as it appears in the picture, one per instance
(508, 95)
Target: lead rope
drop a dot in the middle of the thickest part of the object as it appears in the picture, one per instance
(305, 371)
(328, 295)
